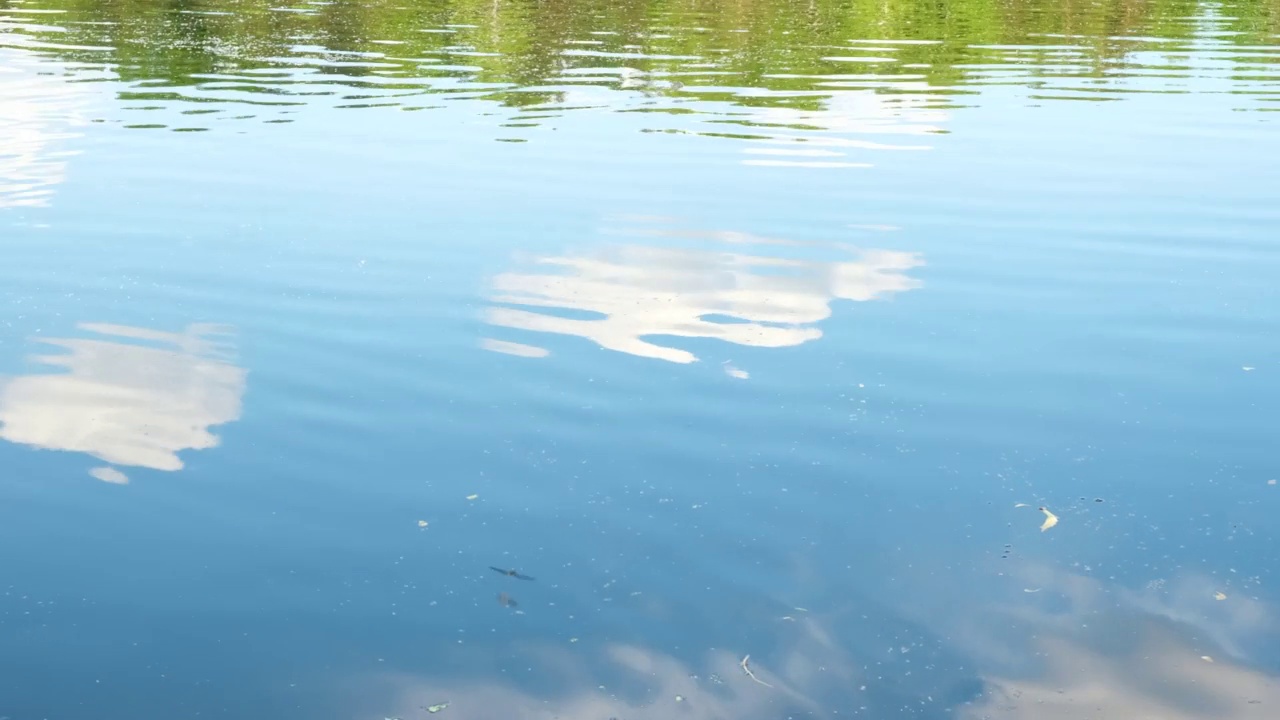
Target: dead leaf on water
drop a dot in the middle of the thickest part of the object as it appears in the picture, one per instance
(1049, 519)
(1219, 596)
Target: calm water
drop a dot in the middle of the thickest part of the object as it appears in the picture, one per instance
(745, 327)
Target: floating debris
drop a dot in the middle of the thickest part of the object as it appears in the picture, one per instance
(679, 698)
(1049, 519)
(1029, 590)
(1219, 596)
(747, 669)
(506, 600)
(1271, 482)
(1248, 368)
(734, 372)
(433, 709)
(1206, 658)
(510, 573)
(422, 523)
(472, 497)
(1018, 505)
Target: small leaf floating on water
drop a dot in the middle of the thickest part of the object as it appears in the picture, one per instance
(433, 709)
(472, 497)
(1219, 596)
(1049, 519)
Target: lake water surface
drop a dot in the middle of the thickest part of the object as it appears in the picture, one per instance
(927, 353)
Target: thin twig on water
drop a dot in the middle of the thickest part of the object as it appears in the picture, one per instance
(750, 674)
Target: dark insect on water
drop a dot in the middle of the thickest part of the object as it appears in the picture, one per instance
(506, 600)
(510, 573)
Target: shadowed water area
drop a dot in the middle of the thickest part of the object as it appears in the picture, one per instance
(585, 360)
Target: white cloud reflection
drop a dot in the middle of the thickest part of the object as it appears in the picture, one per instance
(136, 398)
(649, 686)
(1167, 651)
(933, 640)
(512, 348)
(802, 663)
(632, 294)
(1050, 643)
(1161, 676)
